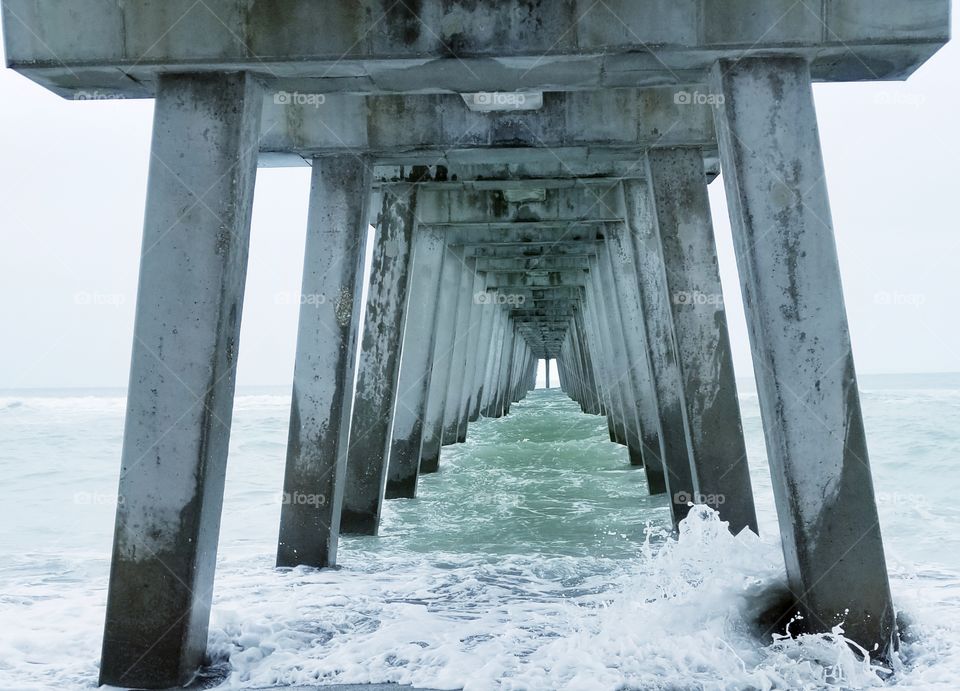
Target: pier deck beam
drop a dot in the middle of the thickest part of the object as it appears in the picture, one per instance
(721, 477)
(807, 386)
(193, 266)
(376, 389)
(325, 364)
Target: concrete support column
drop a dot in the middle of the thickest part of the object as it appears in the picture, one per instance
(502, 405)
(442, 358)
(622, 363)
(325, 362)
(592, 376)
(721, 476)
(376, 391)
(461, 327)
(635, 339)
(493, 366)
(416, 363)
(607, 365)
(658, 325)
(547, 365)
(487, 312)
(473, 348)
(807, 385)
(193, 265)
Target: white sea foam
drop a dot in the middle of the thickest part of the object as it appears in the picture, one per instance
(526, 563)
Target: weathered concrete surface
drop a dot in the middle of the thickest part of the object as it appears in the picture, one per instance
(180, 402)
(661, 344)
(721, 477)
(416, 364)
(376, 388)
(325, 365)
(473, 346)
(806, 382)
(624, 274)
(379, 46)
(447, 308)
(461, 339)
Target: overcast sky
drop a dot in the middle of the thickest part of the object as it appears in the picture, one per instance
(73, 182)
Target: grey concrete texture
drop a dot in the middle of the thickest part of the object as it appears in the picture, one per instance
(378, 371)
(180, 402)
(803, 363)
(121, 47)
(565, 226)
(325, 364)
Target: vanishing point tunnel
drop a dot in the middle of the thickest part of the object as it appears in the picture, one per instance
(537, 176)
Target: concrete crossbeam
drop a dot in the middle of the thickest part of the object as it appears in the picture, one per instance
(379, 46)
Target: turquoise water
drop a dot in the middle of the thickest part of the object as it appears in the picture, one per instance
(534, 560)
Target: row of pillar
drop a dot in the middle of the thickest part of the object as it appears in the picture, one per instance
(646, 345)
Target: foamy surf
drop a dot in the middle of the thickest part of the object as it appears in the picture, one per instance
(533, 560)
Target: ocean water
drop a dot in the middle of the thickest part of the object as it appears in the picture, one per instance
(534, 560)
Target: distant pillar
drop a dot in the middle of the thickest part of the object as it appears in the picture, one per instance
(442, 358)
(651, 284)
(416, 363)
(325, 366)
(462, 335)
(547, 365)
(477, 292)
(193, 265)
(487, 312)
(624, 272)
(721, 477)
(807, 386)
(376, 390)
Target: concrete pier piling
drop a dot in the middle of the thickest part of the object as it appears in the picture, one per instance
(570, 226)
(180, 400)
(803, 363)
(416, 368)
(379, 365)
(325, 367)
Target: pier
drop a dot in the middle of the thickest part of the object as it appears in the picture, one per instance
(537, 177)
